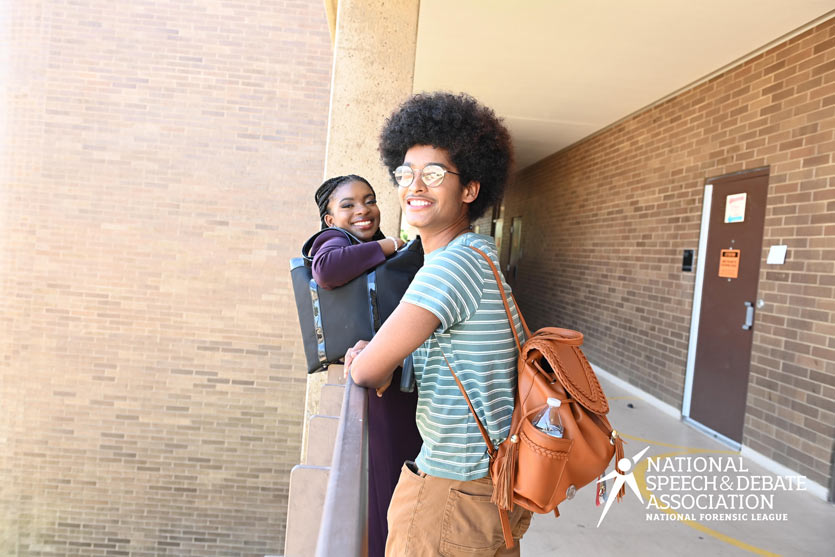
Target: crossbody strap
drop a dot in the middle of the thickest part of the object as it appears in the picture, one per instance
(504, 300)
(491, 449)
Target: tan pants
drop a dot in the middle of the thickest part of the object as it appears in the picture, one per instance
(435, 516)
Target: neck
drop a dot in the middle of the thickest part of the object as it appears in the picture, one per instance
(434, 239)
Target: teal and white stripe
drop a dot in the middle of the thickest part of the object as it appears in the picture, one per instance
(458, 286)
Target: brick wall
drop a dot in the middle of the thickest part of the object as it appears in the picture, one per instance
(619, 208)
(158, 164)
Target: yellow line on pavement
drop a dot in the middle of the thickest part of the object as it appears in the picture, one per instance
(688, 449)
(640, 473)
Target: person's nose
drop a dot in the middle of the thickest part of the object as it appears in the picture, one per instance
(418, 185)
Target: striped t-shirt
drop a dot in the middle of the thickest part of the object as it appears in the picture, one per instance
(457, 285)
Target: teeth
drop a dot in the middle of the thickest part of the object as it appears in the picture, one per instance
(363, 222)
(418, 203)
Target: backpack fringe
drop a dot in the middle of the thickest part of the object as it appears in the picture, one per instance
(503, 482)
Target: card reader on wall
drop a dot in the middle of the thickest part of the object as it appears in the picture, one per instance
(687, 260)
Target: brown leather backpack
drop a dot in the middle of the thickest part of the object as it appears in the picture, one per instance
(533, 469)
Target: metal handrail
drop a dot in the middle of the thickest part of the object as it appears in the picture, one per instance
(343, 530)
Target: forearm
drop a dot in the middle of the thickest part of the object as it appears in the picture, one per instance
(403, 332)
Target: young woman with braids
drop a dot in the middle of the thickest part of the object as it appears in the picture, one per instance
(349, 202)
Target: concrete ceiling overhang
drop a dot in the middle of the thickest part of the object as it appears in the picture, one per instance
(558, 71)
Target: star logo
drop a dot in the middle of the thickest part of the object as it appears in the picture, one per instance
(622, 475)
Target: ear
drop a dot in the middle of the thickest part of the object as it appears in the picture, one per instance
(470, 192)
(329, 220)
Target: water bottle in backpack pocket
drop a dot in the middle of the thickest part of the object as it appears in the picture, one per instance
(548, 419)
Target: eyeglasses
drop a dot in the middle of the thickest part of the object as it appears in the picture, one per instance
(432, 175)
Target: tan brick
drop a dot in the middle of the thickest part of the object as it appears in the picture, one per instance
(152, 379)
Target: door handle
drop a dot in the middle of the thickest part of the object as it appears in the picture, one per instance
(749, 316)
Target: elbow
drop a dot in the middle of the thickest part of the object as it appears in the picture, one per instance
(325, 285)
(324, 281)
(361, 377)
(362, 382)
(325, 271)
(367, 376)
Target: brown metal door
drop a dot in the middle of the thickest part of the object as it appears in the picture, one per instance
(726, 329)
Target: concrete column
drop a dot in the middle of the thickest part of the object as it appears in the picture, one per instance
(373, 72)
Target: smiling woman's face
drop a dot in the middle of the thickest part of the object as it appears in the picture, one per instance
(353, 206)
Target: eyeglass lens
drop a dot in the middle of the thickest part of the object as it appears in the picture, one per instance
(432, 175)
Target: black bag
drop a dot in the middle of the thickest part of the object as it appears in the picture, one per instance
(332, 321)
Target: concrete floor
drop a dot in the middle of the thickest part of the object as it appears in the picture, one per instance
(804, 524)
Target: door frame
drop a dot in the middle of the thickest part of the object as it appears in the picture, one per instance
(697, 303)
(697, 311)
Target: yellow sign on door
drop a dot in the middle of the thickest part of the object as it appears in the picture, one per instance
(729, 263)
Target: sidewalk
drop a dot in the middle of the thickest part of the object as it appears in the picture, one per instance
(796, 524)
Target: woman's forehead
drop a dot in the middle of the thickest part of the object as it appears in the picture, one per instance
(352, 189)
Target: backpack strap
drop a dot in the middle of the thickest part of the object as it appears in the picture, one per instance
(504, 300)
(491, 449)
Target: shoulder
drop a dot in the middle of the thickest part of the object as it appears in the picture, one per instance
(453, 275)
(455, 262)
(461, 254)
(330, 237)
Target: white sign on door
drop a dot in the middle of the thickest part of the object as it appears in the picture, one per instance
(735, 207)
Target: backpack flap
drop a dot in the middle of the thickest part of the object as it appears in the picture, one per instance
(560, 350)
(536, 471)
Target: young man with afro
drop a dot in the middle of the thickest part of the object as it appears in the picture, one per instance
(450, 158)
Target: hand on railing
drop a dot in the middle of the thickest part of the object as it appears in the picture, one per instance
(352, 353)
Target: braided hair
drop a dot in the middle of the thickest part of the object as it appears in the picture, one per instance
(325, 192)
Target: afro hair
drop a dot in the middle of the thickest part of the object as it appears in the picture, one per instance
(477, 142)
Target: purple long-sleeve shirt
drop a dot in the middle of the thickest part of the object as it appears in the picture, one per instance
(337, 262)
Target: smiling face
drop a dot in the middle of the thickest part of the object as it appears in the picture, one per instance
(353, 206)
(441, 209)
